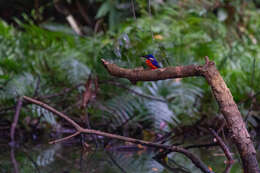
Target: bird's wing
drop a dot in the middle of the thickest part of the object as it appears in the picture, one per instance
(154, 62)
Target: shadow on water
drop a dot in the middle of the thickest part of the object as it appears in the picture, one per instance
(126, 158)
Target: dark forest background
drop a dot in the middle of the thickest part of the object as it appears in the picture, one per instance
(52, 50)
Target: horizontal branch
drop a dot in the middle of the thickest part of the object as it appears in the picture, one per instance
(187, 153)
(152, 75)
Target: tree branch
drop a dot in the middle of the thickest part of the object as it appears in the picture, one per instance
(221, 92)
(196, 161)
(152, 75)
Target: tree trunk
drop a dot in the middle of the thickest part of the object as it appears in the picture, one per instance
(232, 116)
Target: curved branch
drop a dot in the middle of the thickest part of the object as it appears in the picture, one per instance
(187, 153)
(221, 92)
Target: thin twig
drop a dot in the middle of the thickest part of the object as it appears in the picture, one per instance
(16, 117)
(64, 139)
(222, 145)
(88, 95)
(62, 7)
(196, 161)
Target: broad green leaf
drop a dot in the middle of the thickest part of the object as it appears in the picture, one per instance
(104, 9)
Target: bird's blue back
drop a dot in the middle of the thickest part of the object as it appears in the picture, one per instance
(154, 62)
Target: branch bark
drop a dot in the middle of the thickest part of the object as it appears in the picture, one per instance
(221, 92)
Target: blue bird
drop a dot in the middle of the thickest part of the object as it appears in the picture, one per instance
(151, 61)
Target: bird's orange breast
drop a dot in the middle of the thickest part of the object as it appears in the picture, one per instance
(149, 64)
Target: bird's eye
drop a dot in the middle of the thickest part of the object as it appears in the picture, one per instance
(151, 59)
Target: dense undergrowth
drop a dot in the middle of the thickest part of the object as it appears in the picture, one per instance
(39, 62)
(47, 61)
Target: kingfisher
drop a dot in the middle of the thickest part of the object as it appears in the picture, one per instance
(151, 61)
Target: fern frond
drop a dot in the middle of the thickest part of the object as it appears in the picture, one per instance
(47, 115)
(127, 109)
(20, 85)
(75, 71)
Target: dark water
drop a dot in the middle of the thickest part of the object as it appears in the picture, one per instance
(70, 158)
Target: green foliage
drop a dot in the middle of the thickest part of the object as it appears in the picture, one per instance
(43, 60)
(45, 114)
(126, 110)
(113, 9)
(46, 61)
